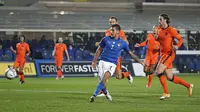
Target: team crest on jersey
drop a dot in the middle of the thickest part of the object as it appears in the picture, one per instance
(119, 44)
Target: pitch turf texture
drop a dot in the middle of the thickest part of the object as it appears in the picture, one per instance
(72, 95)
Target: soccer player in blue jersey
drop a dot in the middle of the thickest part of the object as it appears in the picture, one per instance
(110, 49)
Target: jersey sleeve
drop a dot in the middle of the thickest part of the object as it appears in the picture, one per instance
(143, 43)
(65, 47)
(126, 48)
(176, 35)
(107, 33)
(103, 43)
(27, 48)
(123, 36)
(55, 46)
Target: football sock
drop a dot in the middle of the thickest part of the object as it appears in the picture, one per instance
(22, 77)
(150, 80)
(59, 73)
(126, 74)
(99, 87)
(163, 82)
(178, 80)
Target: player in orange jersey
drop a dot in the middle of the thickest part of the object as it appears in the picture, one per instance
(22, 50)
(59, 48)
(152, 54)
(166, 35)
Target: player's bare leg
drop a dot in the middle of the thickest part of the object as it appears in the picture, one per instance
(150, 76)
(177, 80)
(160, 73)
(102, 86)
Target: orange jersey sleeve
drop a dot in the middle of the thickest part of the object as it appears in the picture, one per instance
(143, 43)
(123, 36)
(65, 47)
(107, 32)
(27, 48)
(176, 35)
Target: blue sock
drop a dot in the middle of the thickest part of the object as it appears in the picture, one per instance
(99, 87)
(104, 90)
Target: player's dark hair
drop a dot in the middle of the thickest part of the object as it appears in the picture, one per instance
(58, 39)
(23, 37)
(113, 17)
(116, 26)
(166, 17)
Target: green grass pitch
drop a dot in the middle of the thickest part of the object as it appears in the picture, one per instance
(72, 95)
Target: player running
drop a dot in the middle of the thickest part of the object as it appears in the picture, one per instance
(152, 54)
(59, 48)
(166, 35)
(118, 72)
(110, 49)
(22, 50)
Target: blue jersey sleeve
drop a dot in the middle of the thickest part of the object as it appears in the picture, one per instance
(126, 48)
(103, 43)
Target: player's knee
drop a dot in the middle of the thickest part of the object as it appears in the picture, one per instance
(146, 70)
(170, 78)
(151, 71)
(159, 74)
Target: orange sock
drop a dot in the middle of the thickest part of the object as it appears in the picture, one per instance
(178, 80)
(22, 77)
(150, 80)
(163, 83)
(59, 73)
(126, 74)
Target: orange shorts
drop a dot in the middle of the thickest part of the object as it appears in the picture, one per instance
(119, 63)
(151, 58)
(167, 59)
(58, 62)
(19, 63)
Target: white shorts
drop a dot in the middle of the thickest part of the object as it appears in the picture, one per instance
(105, 67)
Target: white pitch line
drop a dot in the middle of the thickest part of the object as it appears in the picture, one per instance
(84, 92)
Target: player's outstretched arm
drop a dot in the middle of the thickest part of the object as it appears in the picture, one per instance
(96, 56)
(136, 58)
(141, 44)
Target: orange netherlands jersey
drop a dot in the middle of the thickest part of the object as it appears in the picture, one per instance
(121, 34)
(60, 48)
(22, 49)
(166, 37)
(153, 45)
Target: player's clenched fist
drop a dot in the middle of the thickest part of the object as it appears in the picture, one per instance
(94, 65)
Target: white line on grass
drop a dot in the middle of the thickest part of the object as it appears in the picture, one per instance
(80, 92)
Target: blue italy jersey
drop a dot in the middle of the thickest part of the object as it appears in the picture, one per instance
(112, 49)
